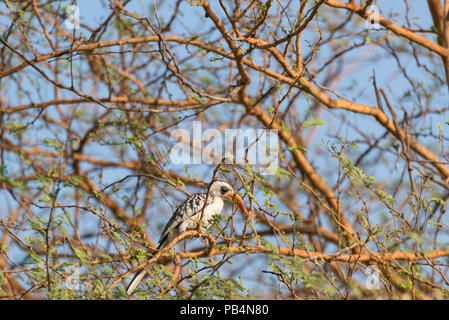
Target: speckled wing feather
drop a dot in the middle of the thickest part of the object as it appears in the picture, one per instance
(184, 218)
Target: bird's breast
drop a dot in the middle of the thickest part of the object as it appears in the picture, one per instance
(213, 208)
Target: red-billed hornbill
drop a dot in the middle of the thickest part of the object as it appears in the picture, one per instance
(188, 214)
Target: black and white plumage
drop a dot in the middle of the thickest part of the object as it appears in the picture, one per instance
(188, 214)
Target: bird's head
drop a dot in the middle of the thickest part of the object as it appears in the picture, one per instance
(225, 191)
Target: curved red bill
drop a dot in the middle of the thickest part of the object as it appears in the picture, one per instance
(240, 203)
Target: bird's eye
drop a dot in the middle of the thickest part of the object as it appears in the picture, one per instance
(224, 190)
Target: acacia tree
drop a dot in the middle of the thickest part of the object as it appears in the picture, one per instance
(357, 91)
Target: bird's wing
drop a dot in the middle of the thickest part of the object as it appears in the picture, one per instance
(188, 210)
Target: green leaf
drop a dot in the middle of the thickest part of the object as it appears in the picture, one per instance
(297, 148)
(196, 98)
(285, 127)
(312, 123)
(53, 143)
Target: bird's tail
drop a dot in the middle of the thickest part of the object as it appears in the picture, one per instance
(142, 273)
(135, 281)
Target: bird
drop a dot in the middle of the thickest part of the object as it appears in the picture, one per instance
(188, 214)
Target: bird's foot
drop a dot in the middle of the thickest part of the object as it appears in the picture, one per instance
(204, 236)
